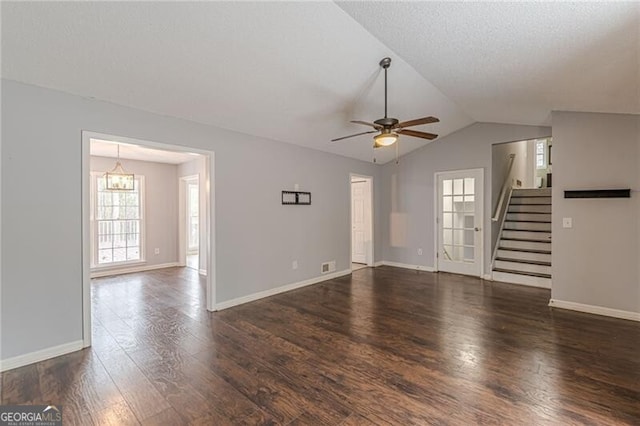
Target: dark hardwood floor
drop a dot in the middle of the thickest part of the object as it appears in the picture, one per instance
(383, 346)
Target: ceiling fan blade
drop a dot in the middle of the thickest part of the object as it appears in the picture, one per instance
(375, 126)
(351, 136)
(417, 121)
(417, 134)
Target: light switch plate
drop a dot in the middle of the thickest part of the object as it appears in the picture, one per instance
(567, 222)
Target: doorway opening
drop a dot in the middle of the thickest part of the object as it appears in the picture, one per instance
(190, 227)
(459, 222)
(361, 221)
(132, 228)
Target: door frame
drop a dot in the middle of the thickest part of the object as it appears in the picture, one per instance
(183, 247)
(370, 249)
(209, 222)
(436, 212)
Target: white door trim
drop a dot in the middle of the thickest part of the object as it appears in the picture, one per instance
(209, 222)
(436, 204)
(370, 249)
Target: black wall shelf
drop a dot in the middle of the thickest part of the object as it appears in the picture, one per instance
(296, 198)
(599, 193)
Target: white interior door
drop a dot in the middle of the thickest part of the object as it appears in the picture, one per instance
(459, 221)
(359, 221)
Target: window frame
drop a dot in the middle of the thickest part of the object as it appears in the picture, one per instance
(93, 225)
(542, 154)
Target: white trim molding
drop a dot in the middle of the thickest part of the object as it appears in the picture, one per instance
(407, 266)
(202, 272)
(272, 292)
(141, 268)
(41, 355)
(593, 309)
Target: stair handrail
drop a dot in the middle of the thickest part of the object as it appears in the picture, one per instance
(497, 247)
(503, 191)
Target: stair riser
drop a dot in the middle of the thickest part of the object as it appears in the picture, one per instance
(524, 267)
(528, 226)
(529, 217)
(522, 279)
(530, 200)
(543, 192)
(532, 208)
(527, 245)
(527, 235)
(523, 255)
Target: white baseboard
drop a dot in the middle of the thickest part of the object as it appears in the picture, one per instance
(141, 268)
(41, 355)
(272, 292)
(407, 266)
(487, 277)
(202, 272)
(593, 309)
(376, 264)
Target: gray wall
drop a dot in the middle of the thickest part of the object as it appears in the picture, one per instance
(198, 167)
(596, 262)
(256, 237)
(408, 187)
(161, 205)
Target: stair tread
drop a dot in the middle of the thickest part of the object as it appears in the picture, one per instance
(531, 274)
(530, 262)
(528, 221)
(525, 250)
(528, 230)
(528, 240)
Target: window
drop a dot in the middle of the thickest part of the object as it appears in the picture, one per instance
(192, 193)
(541, 158)
(117, 223)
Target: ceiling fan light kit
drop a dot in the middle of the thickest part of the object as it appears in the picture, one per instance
(390, 128)
(384, 139)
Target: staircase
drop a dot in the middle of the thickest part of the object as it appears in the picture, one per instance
(524, 247)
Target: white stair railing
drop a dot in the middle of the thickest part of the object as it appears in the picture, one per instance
(500, 209)
(503, 192)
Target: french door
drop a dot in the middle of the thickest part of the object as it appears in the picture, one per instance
(459, 221)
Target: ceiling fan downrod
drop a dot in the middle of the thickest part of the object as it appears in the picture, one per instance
(385, 63)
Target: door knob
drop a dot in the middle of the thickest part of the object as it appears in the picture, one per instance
(476, 229)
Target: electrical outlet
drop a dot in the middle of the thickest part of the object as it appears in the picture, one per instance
(419, 252)
(157, 251)
(567, 222)
(294, 264)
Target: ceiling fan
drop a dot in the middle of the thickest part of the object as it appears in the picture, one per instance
(389, 128)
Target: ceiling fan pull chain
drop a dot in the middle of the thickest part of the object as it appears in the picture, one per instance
(397, 150)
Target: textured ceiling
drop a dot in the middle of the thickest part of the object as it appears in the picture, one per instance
(516, 62)
(298, 72)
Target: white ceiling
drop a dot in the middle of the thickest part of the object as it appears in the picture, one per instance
(104, 148)
(298, 72)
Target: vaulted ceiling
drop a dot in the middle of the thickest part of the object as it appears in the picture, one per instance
(298, 72)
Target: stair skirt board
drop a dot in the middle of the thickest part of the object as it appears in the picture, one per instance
(527, 280)
(529, 208)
